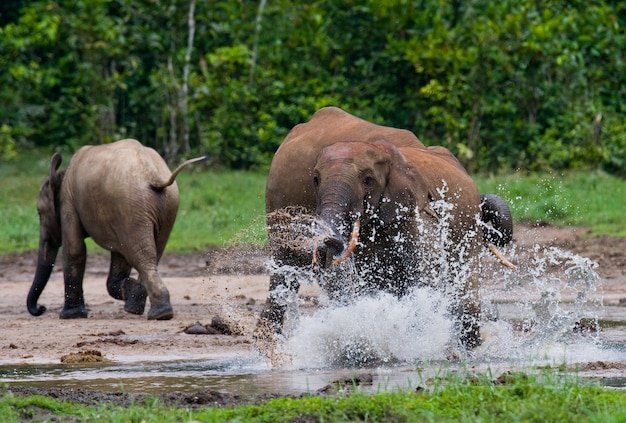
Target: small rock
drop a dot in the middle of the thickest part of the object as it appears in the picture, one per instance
(220, 325)
(87, 356)
(199, 329)
(347, 383)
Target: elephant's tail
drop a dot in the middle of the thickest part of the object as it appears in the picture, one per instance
(163, 185)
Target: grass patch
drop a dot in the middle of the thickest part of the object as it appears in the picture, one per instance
(548, 396)
(223, 207)
(592, 199)
(219, 207)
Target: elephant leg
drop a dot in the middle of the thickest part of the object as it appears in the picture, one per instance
(122, 287)
(74, 258)
(470, 325)
(144, 257)
(469, 310)
(160, 305)
(273, 315)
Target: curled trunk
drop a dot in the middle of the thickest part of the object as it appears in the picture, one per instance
(336, 207)
(45, 264)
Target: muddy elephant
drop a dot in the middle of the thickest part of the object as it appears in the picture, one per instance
(406, 214)
(125, 198)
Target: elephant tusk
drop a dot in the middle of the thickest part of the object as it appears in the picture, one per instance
(315, 256)
(354, 237)
(500, 257)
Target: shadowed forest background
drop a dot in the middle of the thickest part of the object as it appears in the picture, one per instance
(504, 85)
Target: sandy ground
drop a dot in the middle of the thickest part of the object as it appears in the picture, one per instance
(231, 284)
(197, 295)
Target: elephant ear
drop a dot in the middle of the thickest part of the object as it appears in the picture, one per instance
(49, 192)
(398, 197)
(55, 162)
(56, 177)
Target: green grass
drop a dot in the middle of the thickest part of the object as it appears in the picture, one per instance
(592, 199)
(219, 208)
(222, 207)
(548, 396)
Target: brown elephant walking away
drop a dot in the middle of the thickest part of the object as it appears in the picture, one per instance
(382, 195)
(125, 198)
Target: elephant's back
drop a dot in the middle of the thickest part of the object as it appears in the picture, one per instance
(109, 179)
(290, 177)
(331, 125)
(122, 163)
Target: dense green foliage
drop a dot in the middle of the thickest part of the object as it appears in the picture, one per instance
(516, 397)
(504, 85)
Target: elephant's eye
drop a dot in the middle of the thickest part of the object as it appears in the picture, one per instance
(316, 181)
(369, 181)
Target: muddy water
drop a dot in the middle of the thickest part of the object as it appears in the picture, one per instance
(234, 376)
(255, 376)
(549, 312)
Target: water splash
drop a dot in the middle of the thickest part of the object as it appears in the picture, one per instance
(379, 330)
(530, 315)
(547, 310)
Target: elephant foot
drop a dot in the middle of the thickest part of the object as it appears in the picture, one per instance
(470, 336)
(164, 312)
(270, 323)
(76, 312)
(135, 295)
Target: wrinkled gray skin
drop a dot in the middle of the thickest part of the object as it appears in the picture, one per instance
(342, 169)
(125, 198)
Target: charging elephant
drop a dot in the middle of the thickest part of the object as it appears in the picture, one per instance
(383, 198)
(125, 198)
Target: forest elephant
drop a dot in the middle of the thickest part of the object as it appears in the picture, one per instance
(407, 215)
(125, 198)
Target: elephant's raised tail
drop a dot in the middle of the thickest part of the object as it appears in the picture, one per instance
(163, 185)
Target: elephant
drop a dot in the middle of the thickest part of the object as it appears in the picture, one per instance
(379, 193)
(125, 198)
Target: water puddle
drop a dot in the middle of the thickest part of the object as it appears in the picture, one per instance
(243, 378)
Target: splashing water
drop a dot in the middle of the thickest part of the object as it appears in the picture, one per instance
(541, 307)
(375, 330)
(530, 315)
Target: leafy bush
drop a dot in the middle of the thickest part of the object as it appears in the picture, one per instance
(504, 85)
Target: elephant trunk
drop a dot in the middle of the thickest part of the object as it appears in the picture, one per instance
(45, 263)
(354, 237)
(336, 207)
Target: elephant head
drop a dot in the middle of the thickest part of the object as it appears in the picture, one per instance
(358, 185)
(49, 233)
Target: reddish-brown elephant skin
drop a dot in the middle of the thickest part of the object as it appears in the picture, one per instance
(380, 184)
